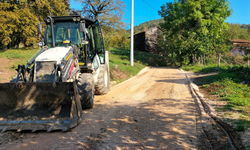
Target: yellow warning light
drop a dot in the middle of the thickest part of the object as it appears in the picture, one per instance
(66, 41)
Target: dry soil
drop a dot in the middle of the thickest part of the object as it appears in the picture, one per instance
(153, 110)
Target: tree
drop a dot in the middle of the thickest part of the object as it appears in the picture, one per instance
(192, 26)
(108, 12)
(19, 18)
(236, 31)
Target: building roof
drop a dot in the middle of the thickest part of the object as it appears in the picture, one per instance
(239, 41)
(148, 30)
(151, 28)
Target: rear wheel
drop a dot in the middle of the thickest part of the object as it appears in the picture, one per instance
(86, 90)
(102, 85)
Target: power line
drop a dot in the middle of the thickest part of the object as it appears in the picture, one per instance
(150, 5)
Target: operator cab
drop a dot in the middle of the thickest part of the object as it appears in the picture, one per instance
(78, 32)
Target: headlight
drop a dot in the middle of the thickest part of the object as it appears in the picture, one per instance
(48, 20)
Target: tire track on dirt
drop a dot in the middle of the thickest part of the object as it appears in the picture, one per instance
(153, 110)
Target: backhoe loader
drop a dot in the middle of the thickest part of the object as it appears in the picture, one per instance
(50, 91)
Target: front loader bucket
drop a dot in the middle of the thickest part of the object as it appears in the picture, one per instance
(39, 106)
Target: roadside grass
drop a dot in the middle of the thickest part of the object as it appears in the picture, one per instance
(21, 55)
(117, 58)
(230, 85)
(121, 58)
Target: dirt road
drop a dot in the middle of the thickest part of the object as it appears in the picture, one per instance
(6, 74)
(153, 110)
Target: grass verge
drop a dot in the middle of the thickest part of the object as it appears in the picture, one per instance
(119, 62)
(230, 85)
(21, 56)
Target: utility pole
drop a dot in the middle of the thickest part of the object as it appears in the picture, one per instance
(132, 35)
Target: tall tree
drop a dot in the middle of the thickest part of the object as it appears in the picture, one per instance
(237, 31)
(192, 26)
(108, 12)
(19, 18)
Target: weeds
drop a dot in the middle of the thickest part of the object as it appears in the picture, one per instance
(230, 85)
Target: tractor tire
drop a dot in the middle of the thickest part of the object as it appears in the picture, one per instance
(86, 90)
(102, 85)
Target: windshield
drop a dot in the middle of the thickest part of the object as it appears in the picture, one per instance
(64, 31)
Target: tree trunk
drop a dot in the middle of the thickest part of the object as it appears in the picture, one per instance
(17, 42)
(4, 47)
(247, 63)
(204, 59)
(199, 60)
(219, 60)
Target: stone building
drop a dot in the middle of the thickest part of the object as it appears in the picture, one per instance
(238, 45)
(146, 40)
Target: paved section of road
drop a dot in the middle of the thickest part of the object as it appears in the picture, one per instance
(153, 110)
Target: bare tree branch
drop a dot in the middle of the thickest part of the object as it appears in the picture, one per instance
(108, 12)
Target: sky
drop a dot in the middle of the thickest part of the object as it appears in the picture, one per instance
(146, 10)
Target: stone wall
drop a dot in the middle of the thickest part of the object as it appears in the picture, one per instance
(147, 40)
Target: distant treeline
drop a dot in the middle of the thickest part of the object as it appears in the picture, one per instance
(238, 31)
(245, 26)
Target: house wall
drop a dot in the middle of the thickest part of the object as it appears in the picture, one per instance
(147, 40)
(236, 51)
(236, 48)
(151, 37)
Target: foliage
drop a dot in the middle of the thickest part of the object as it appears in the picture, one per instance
(115, 38)
(108, 12)
(19, 18)
(194, 27)
(237, 31)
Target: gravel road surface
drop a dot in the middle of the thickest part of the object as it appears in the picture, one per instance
(153, 110)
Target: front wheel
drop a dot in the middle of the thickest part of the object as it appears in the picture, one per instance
(86, 90)
(102, 85)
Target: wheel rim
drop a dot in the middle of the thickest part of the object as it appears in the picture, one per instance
(106, 78)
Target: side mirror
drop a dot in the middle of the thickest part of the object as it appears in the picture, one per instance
(39, 28)
(41, 44)
(82, 26)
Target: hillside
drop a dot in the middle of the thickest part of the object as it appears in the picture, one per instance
(146, 25)
(235, 31)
